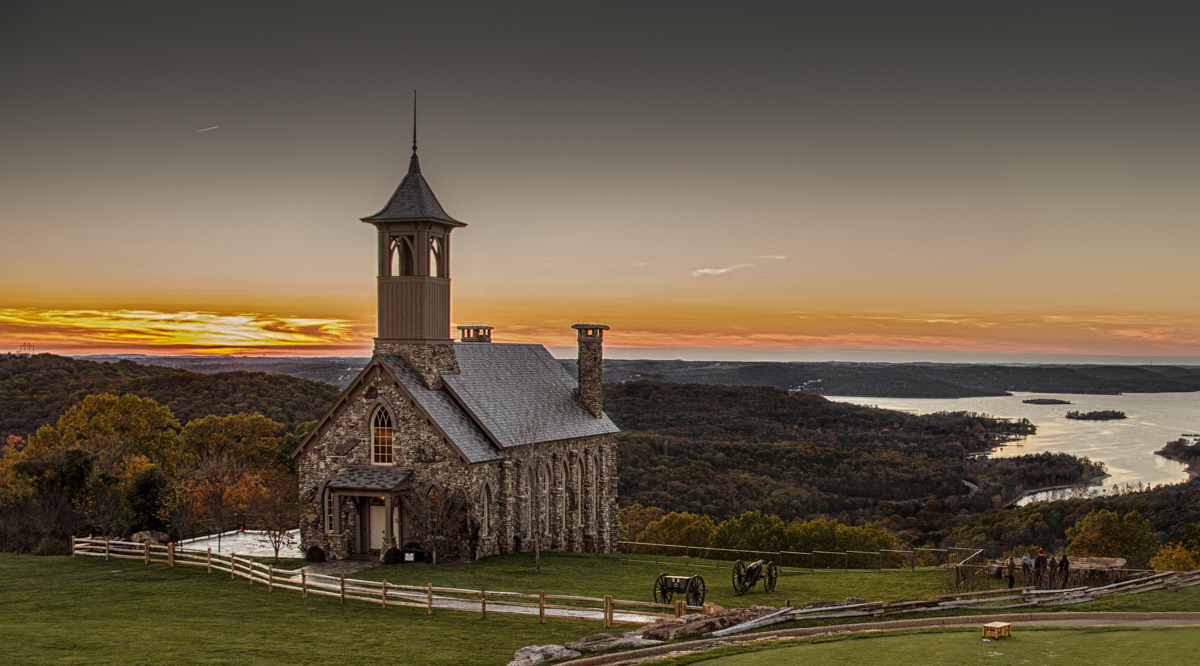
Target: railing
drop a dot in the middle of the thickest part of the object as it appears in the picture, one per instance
(987, 600)
(381, 592)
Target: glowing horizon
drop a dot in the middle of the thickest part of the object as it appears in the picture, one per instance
(674, 327)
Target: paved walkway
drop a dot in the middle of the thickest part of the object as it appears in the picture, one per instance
(248, 544)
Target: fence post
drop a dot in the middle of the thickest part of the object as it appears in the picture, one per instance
(171, 554)
(72, 546)
(483, 603)
(846, 561)
(812, 563)
(105, 549)
(342, 580)
(607, 607)
(880, 566)
(208, 560)
(146, 550)
(542, 607)
(429, 599)
(912, 561)
(303, 584)
(270, 578)
(680, 609)
(232, 564)
(383, 595)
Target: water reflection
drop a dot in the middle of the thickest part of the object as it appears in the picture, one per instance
(1126, 447)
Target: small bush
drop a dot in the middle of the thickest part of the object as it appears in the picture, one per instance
(393, 556)
(314, 554)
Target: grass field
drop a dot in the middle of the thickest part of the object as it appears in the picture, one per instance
(589, 575)
(57, 610)
(1098, 646)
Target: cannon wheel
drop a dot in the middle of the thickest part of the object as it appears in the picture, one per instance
(739, 578)
(696, 591)
(770, 578)
(662, 595)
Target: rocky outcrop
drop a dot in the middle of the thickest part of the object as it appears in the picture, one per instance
(698, 624)
(608, 643)
(536, 654)
(154, 538)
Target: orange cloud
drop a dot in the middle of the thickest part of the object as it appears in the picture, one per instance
(72, 331)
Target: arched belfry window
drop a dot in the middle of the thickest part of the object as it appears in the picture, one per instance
(381, 436)
(403, 259)
(436, 258)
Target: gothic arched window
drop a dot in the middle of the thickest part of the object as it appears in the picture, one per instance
(487, 511)
(436, 269)
(381, 436)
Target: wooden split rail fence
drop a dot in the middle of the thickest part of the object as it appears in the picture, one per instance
(380, 592)
(990, 600)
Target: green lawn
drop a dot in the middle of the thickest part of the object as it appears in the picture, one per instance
(87, 611)
(589, 575)
(56, 610)
(1098, 646)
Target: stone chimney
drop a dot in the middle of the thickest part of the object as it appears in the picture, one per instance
(591, 358)
(475, 333)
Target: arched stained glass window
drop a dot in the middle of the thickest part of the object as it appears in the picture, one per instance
(381, 433)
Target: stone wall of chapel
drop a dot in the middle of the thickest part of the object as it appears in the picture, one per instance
(577, 512)
(576, 504)
(346, 443)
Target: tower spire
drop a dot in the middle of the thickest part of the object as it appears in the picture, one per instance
(414, 164)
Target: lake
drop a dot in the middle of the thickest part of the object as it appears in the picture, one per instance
(1125, 446)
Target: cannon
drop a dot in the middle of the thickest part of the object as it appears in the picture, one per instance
(666, 587)
(745, 577)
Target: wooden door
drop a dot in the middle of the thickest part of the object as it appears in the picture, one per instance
(377, 525)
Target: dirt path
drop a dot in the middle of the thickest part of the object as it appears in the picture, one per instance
(1017, 620)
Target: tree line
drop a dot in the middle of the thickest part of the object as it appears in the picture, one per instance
(36, 390)
(114, 465)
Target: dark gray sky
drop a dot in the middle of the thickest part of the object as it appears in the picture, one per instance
(1002, 162)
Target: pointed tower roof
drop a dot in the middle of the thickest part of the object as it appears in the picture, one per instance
(413, 200)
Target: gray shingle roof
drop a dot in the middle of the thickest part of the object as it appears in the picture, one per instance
(520, 393)
(446, 413)
(413, 200)
(369, 478)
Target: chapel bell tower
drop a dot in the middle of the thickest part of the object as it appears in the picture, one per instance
(414, 262)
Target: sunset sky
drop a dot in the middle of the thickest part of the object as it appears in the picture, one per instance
(711, 180)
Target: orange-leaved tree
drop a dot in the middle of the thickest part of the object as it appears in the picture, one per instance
(1103, 534)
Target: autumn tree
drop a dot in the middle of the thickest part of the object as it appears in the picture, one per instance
(681, 529)
(1103, 534)
(752, 530)
(634, 519)
(248, 439)
(277, 506)
(1173, 557)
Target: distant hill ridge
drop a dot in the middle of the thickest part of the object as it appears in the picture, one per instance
(912, 380)
(36, 390)
(878, 380)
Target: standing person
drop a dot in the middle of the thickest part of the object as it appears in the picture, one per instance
(1039, 567)
(1010, 571)
(1053, 572)
(1064, 568)
(1027, 569)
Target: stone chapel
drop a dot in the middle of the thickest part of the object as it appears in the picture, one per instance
(462, 449)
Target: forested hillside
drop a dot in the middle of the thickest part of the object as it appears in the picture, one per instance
(722, 450)
(36, 390)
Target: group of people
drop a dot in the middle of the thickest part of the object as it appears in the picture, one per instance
(1042, 573)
